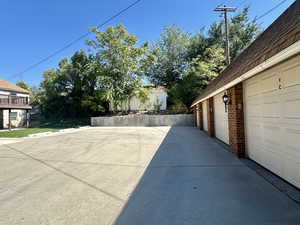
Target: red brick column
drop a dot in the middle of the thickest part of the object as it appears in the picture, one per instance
(200, 115)
(210, 117)
(236, 120)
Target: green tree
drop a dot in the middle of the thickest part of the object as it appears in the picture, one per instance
(71, 90)
(114, 69)
(171, 53)
(33, 93)
(242, 32)
(23, 85)
(121, 62)
(187, 63)
(201, 73)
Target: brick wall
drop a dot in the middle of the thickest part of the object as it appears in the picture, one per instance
(210, 117)
(236, 120)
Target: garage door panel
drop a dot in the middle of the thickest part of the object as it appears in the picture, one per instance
(271, 110)
(257, 154)
(254, 134)
(254, 130)
(253, 106)
(272, 148)
(272, 135)
(254, 110)
(273, 162)
(253, 89)
(293, 143)
(291, 173)
(291, 109)
(221, 119)
(269, 83)
(291, 103)
(270, 105)
(272, 119)
(291, 76)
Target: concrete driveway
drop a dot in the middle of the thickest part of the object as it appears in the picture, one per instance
(134, 176)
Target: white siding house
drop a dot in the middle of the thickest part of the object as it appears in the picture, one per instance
(14, 105)
(157, 99)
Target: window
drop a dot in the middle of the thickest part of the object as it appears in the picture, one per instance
(13, 115)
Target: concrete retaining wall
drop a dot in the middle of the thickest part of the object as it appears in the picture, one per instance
(144, 120)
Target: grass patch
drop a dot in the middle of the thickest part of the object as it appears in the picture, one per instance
(50, 125)
(25, 132)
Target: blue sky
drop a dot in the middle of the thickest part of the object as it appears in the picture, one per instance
(34, 29)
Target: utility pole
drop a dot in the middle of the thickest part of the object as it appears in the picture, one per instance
(225, 11)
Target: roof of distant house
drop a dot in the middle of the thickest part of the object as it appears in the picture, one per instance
(158, 89)
(153, 88)
(5, 85)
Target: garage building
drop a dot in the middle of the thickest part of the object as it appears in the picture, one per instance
(261, 119)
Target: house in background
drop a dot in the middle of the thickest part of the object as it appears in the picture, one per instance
(253, 106)
(157, 101)
(14, 106)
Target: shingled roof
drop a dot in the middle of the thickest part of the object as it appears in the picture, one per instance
(282, 33)
(7, 86)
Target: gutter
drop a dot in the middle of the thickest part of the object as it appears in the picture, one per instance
(15, 91)
(279, 57)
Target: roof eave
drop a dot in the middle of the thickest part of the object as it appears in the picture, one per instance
(290, 51)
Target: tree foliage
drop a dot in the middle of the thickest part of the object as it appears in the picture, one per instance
(23, 85)
(112, 72)
(242, 32)
(171, 53)
(32, 92)
(121, 62)
(71, 89)
(187, 63)
(200, 74)
(114, 68)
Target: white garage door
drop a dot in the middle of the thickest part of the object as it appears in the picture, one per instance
(272, 119)
(204, 109)
(221, 119)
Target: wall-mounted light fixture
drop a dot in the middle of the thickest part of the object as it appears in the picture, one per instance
(226, 100)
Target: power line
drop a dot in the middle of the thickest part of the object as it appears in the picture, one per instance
(74, 41)
(272, 9)
(221, 4)
(239, 5)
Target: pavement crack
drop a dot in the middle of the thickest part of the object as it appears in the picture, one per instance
(67, 174)
(78, 162)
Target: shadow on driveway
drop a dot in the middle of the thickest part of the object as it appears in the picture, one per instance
(192, 180)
